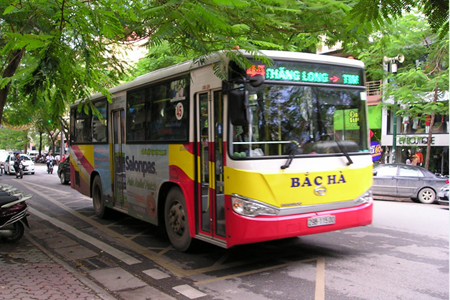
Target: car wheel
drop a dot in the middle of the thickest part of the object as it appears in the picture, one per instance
(32, 173)
(427, 196)
(176, 221)
(62, 178)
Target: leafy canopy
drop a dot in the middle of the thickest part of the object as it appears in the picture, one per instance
(379, 13)
(59, 50)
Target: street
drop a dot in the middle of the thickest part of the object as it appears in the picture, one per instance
(402, 255)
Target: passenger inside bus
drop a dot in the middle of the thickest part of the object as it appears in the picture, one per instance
(243, 139)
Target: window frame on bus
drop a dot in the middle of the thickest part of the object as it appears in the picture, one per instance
(236, 74)
(90, 118)
(158, 93)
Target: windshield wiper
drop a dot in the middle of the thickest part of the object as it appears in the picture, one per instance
(291, 155)
(344, 151)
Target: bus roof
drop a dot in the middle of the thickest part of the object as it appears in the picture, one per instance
(189, 65)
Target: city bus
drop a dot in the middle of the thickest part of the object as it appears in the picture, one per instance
(275, 150)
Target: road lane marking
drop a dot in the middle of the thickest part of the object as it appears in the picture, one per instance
(320, 275)
(188, 291)
(179, 272)
(320, 279)
(156, 274)
(129, 260)
(253, 272)
(154, 256)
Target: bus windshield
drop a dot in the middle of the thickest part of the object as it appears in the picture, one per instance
(301, 120)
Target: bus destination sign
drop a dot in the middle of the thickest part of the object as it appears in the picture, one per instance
(307, 72)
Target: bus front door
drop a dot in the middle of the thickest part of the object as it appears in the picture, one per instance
(210, 158)
(118, 159)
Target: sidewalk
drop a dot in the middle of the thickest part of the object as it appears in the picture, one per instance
(28, 271)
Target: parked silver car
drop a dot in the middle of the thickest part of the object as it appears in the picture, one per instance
(443, 195)
(400, 180)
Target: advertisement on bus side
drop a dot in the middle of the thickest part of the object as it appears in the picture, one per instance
(147, 167)
(102, 166)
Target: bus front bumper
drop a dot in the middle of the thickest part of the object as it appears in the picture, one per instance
(245, 230)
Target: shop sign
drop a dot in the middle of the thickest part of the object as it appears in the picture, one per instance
(414, 140)
(376, 150)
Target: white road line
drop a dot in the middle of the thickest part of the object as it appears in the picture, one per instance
(156, 274)
(163, 262)
(129, 260)
(320, 279)
(188, 291)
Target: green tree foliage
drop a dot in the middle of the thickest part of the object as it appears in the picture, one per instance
(383, 12)
(183, 30)
(422, 79)
(158, 57)
(58, 50)
(13, 139)
(201, 27)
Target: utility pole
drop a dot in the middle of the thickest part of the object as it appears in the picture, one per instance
(393, 68)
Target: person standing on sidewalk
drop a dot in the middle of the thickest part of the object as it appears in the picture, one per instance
(419, 157)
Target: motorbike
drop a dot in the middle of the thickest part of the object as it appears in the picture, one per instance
(13, 214)
(20, 170)
(50, 167)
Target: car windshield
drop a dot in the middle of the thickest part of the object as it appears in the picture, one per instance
(25, 157)
(293, 119)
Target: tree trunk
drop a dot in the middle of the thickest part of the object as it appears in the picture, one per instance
(430, 132)
(10, 70)
(40, 143)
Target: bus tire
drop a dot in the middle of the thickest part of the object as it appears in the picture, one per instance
(98, 199)
(176, 220)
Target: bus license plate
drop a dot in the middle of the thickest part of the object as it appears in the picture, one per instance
(321, 221)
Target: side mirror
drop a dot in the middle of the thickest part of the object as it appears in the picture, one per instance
(237, 106)
(256, 80)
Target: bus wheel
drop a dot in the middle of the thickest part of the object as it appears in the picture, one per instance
(177, 225)
(98, 199)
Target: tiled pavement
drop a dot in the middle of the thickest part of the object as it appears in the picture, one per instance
(28, 271)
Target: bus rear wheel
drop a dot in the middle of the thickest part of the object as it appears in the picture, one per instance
(98, 199)
(176, 220)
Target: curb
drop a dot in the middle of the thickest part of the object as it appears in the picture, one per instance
(102, 293)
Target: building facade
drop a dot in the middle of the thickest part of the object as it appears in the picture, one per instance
(412, 139)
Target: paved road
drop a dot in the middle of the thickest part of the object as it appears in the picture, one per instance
(403, 255)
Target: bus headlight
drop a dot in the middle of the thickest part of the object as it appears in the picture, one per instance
(366, 197)
(251, 208)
